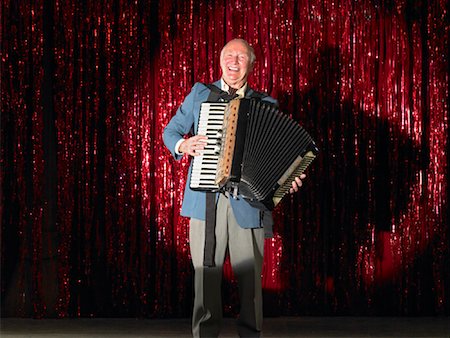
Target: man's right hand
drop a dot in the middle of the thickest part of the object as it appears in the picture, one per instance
(193, 145)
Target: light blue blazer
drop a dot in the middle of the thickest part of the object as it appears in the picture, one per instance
(185, 121)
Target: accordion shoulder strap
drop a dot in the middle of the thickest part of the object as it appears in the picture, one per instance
(258, 95)
(217, 94)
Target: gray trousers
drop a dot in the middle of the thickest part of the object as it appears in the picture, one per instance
(246, 249)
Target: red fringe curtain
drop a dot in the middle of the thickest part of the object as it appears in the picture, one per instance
(90, 197)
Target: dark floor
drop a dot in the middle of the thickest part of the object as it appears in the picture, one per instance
(273, 327)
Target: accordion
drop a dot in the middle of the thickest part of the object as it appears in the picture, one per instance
(252, 150)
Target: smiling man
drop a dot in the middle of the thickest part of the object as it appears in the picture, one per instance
(239, 227)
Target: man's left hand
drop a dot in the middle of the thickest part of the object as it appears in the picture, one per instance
(297, 183)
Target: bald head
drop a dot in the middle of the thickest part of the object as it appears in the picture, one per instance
(250, 49)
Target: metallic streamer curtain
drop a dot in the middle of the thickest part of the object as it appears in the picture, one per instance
(91, 198)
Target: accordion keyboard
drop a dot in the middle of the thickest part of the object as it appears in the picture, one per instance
(204, 165)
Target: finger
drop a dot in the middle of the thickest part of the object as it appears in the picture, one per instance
(298, 181)
(198, 143)
(291, 191)
(195, 149)
(200, 138)
(191, 151)
(202, 141)
(294, 186)
(198, 150)
(198, 146)
(302, 176)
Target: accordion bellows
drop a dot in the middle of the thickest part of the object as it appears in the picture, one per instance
(252, 149)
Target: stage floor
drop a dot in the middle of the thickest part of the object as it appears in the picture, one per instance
(273, 327)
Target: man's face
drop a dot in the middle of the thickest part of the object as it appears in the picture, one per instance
(235, 64)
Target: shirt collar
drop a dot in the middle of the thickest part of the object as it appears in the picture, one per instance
(240, 92)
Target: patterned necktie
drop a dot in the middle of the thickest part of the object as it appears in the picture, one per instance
(232, 91)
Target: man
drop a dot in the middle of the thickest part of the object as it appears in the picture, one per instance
(239, 226)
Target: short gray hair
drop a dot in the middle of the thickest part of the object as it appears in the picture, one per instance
(246, 44)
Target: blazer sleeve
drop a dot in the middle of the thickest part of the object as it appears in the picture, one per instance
(181, 123)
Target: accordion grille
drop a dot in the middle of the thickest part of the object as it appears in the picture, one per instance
(275, 152)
